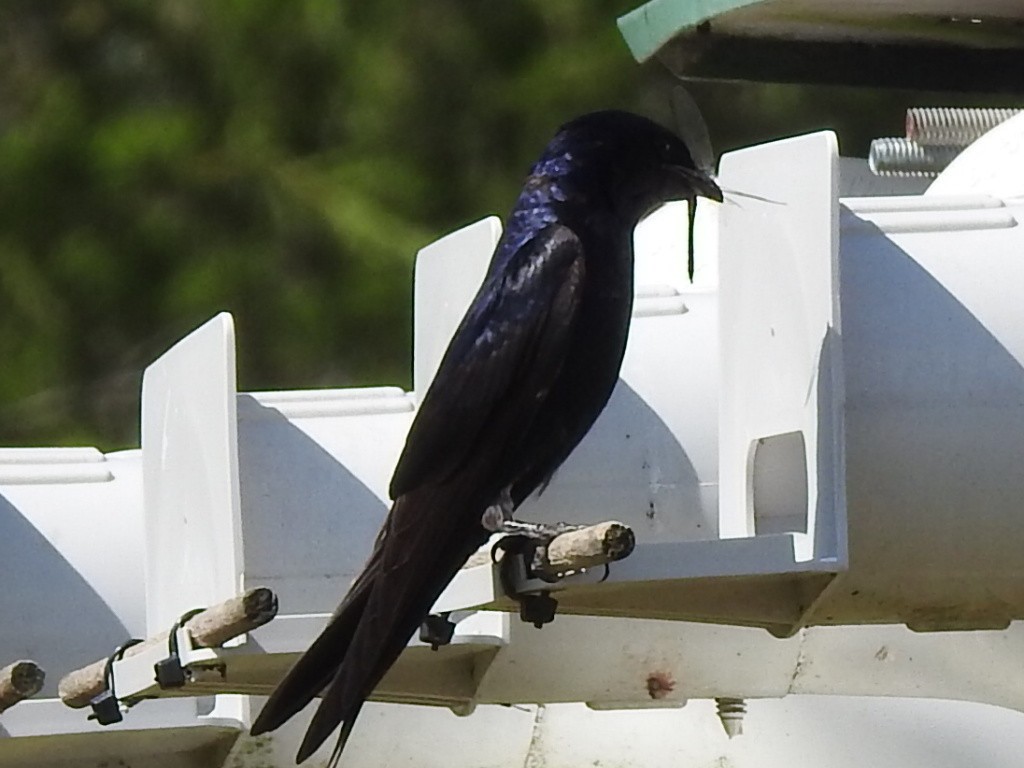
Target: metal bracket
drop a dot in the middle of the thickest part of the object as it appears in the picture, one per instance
(169, 672)
(106, 707)
(437, 630)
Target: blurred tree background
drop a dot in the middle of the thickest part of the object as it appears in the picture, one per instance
(163, 160)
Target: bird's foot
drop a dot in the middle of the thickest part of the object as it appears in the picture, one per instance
(538, 531)
(527, 544)
(496, 516)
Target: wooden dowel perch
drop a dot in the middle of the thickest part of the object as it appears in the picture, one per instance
(19, 681)
(208, 629)
(587, 547)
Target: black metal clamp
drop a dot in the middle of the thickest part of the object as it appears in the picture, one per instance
(169, 672)
(538, 608)
(534, 608)
(106, 708)
(437, 629)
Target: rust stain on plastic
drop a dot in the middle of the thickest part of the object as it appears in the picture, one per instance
(660, 685)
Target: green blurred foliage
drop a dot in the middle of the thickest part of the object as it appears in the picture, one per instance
(163, 160)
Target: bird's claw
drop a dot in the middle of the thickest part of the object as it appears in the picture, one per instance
(537, 531)
(526, 539)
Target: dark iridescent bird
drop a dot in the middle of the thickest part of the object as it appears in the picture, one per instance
(526, 374)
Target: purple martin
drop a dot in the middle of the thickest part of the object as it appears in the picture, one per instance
(528, 371)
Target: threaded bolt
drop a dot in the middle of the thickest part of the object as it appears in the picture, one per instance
(952, 126)
(903, 157)
(731, 712)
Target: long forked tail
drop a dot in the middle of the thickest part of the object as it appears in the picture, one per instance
(414, 558)
(418, 553)
(317, 666)
(348, 691)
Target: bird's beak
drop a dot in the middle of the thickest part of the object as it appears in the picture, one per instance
(706, 187)
(697, 183)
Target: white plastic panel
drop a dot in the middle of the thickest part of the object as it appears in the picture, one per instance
(448, 274)
(314, 468)
(42, 466)
(992, 165)
(781, 365)
(650, 459)
(190, 475)
(795, 732)
(595, 659)
(157, 734)
(71, 531)
(933, 349)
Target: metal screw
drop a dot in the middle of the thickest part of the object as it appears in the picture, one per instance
(903, 157)
(958, 126)
(935, 135)
(731, 712)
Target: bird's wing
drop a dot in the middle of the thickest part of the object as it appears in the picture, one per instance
(511, 341)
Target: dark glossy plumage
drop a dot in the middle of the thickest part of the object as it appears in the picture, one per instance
(527, 372)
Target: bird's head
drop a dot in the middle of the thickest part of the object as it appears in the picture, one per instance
(638, 163)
